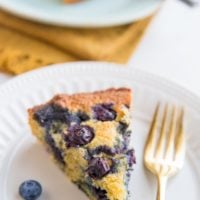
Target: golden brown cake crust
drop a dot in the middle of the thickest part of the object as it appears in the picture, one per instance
(84, 101)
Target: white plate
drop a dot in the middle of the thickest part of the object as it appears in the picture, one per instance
(89, 13)
(21, 157)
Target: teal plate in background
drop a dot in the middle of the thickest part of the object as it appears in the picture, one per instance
(88, 13)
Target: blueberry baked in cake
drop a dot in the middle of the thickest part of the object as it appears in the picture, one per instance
(88, 136)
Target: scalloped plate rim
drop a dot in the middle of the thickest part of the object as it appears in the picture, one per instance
(103, 67)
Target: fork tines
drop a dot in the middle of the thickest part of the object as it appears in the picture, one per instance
(166, 139)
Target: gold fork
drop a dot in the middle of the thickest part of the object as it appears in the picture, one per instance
(165, 147)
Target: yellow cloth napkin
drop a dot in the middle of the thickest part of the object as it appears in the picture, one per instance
(26, 45)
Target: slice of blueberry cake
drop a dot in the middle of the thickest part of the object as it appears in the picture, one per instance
(88, 136)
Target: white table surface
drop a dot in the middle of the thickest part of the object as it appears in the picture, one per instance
(170, 47)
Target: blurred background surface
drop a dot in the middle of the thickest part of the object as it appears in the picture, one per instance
(170, 46)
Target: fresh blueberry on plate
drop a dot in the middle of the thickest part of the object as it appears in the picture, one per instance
(30, 190)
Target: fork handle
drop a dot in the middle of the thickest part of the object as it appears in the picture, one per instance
(162, 181)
